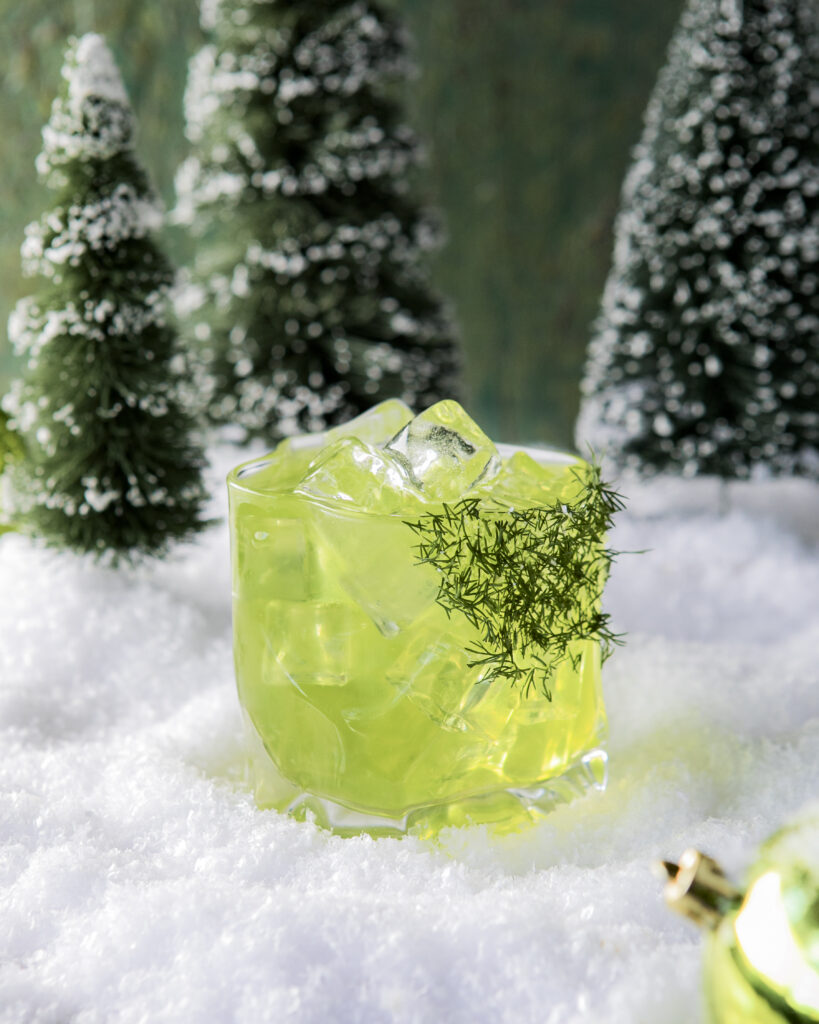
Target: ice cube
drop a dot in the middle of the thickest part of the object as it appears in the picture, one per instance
(374, 560)
(375, 426)
(283, 468)
(362, 494)
(353, 473)
(433, 672)
(524, 481)
(444, 452)
(278, 554)
(450, 692)
(316, 642)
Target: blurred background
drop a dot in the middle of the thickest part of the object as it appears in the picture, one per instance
(529, 109)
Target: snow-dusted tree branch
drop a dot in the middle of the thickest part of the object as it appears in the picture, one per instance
(112, 467)
(308, 293)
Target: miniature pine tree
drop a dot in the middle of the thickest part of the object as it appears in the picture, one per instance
(705, 353)
(112, 468)
(308, 292)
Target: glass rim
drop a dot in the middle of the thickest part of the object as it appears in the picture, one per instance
(238, 477)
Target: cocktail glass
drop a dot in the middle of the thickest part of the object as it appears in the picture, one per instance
(392, 675)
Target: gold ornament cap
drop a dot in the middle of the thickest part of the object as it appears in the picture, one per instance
(698, 889)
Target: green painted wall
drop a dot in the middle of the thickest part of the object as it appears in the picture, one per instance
(530, 108)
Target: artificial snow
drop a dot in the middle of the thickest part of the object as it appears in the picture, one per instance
(139, 882)
(91, 117)
(96, 74)
(103, 224)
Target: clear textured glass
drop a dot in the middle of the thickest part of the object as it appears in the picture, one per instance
(364, 705)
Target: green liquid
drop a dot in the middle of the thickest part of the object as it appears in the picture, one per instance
(356, 682)
(361, 705)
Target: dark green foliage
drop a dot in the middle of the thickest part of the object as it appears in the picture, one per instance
(529, 580)
(706, 358)
(10, 446)
(309, 294)
(10, 451)
(112, 467)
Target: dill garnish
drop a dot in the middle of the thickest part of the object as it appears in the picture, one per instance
(529, 580)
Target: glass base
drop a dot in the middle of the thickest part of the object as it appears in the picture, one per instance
(505, 810)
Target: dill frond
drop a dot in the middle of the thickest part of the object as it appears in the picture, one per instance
(529, 580)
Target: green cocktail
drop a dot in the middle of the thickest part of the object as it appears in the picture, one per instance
(417, 623)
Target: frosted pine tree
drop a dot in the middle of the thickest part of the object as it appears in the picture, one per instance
(309, 294)
(705, 354)
(112, 467)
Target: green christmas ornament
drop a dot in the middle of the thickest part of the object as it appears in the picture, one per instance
(762, 950)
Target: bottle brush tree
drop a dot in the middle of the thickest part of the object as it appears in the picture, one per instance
(705, 355)
(112, 466)
(308, 292)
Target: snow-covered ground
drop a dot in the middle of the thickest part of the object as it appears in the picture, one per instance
(138, 882)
